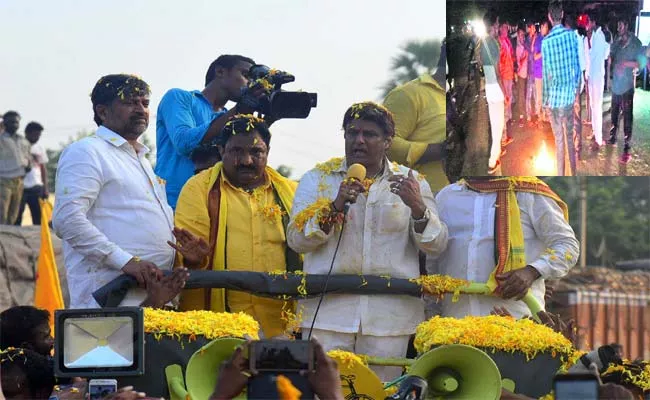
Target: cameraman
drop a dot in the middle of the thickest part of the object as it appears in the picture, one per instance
(324, 381)
(186, 119)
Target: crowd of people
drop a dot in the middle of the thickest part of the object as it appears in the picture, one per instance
(542, 76)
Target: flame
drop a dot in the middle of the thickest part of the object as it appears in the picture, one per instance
(544, 162)
(479, 28)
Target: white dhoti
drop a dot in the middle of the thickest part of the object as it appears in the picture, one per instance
(496, 109)
(596, 88)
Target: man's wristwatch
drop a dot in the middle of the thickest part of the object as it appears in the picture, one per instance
(425, 217)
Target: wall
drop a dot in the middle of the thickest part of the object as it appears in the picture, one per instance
(19, 248)
(604, 318)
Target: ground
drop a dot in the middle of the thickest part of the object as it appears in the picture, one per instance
(533, 151)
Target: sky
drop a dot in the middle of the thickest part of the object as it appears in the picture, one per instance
(57, 50)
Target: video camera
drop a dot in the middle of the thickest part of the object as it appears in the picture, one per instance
(278, 104)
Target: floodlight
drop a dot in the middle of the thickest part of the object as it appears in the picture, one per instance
(107, 342)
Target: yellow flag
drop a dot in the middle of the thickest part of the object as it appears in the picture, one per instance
(47, 291)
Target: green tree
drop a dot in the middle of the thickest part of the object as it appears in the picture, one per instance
(618, 216)
(54, 155)
(414, 59)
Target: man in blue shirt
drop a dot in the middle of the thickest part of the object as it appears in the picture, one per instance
(186, 119)
(627, 54)
(561, 76)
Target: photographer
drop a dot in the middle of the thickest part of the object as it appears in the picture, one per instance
(186, 119)
(324, 381)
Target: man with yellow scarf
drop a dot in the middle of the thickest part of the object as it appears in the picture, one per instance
(511, 232)
(234, 216)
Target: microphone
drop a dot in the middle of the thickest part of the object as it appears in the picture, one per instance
(356, 171)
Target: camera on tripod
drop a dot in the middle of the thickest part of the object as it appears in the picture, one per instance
(278, 104)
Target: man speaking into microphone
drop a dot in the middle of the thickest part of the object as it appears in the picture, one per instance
(382, 220)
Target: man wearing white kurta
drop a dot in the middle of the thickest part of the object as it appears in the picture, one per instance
(384, 228)
(494, 91)
(597, 49)
(110, 209)
(550, 244)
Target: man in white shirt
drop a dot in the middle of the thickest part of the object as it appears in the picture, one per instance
(392, 215)
(598, 49)
(475, 214)
(494, 92)
(35, 182)
(110, 209)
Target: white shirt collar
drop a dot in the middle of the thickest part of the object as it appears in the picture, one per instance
(117, 140)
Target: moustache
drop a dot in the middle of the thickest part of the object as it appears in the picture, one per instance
(243, 168)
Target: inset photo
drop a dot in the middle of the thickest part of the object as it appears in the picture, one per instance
(548, 88)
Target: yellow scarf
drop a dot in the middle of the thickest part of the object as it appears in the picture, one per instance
(509, 233)
(197, 299)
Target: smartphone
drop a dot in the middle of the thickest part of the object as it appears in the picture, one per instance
(100, 388)
(575, 387)
(281, 356)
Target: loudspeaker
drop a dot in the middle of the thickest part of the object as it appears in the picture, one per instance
(160, 352)
(202, 370)
(458, 371)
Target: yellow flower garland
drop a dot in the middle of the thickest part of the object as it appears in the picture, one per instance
(637, 375)
(438, 285)
(250, 125)
(359, 107)
(330, 165)
(348, 359)
(494, 333)
(366, 183)
(321, 209)
(193, 323)
(291, 319)
(10, 353)
(272, 212)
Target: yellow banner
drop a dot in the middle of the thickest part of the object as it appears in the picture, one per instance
(47, 291)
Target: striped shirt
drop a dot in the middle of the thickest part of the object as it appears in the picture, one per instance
(561, 67)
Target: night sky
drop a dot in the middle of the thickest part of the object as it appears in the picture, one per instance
(514, 11)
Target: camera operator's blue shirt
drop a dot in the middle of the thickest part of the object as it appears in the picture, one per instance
(183, 119)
